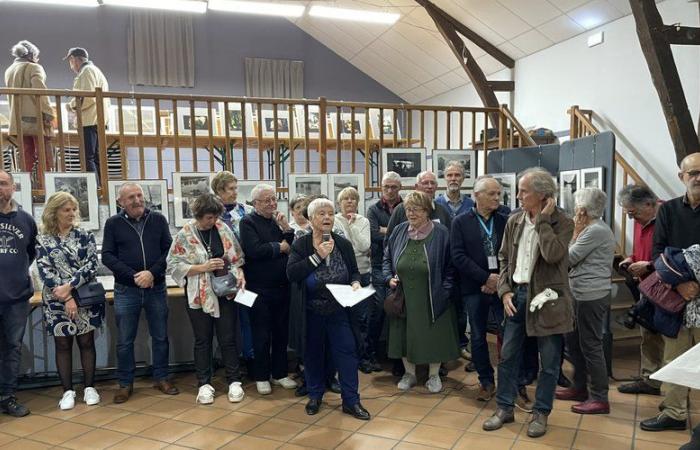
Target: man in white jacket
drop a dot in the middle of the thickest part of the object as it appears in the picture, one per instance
(89, 77)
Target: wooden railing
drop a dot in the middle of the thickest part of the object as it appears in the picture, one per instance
(280, 130)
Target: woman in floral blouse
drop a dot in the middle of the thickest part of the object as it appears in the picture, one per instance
(204, 247)
(66, 260)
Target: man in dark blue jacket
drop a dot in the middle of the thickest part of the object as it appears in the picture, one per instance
(17, 251)
(135, 244)
(476, 238)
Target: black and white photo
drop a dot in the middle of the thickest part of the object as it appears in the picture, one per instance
(387, 124)
(130, 117)
(200, 121)
(23, 190)
(270, 124)
(569, 183)
(593, 177)
(186, 188)
(407, 162)
(155, 195)
(308, 185)
(82, 186)
(245, 188)
(313, 123)
(337, 182)
(509, 185)
(466, 157)
(346, 125)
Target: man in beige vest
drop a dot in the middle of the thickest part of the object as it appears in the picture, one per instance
(89, 77)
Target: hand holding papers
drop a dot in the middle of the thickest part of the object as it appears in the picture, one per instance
(344, 294)
(245, 297)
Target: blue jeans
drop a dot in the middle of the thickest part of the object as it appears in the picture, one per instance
(479, 306)
(359, 317)
(376, 312)
(13, 321)
(514, 336)
(331, 333)
(128, 301)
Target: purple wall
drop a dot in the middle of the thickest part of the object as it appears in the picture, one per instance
(222, 41)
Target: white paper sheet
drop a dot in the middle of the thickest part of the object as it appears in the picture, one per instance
(107, 282)
(684, 370)
(344, 294)
(246, 297)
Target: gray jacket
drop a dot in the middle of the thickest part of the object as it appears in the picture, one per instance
(440, 265)
(591, 258)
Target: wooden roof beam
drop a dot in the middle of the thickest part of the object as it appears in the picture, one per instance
(678, 35)
(500, 86)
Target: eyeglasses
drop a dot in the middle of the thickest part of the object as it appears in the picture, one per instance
(268, 200)
(390, 187)
(692, 173)
(414, 210)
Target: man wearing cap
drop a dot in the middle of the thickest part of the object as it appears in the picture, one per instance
(89, 77)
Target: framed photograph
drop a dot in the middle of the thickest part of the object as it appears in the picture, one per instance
(346, 125)
(23, 190)
(339, 181)
(314, 122)
(186, 187)
(155, 195)
(407, 162)
(83, 186)
(235, 120)
(4, 115)
(245, 188)
(69, 121)
(593, 177)
(307, 184)
(148, 119)
(465, 157)
(569, 183)
(387, 124)
(200, 122)
(509, 185)
(269, 124)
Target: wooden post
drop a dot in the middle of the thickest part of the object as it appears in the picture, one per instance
(352, 139)
(501, 130)
(307, 163)
(276, 147)
(244, 141)
(368, 149)
(122, 141)
(322, 135)
(228, 148)
(338, 141)
(211, 137)
(292, 148)
(176, 135)
(261, 167)
(139, 138)
(159, 142)
(193, 139)
(81, 132)
(42, 142)
(17, 101)
(59, 129)
(448, 124)
(573, 123)
(102, 140)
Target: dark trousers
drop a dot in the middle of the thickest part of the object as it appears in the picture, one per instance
(479, 306)
(376, 312)
(530, 362)
(269, 319)
(128, 302)
(92, 155)
(514, 335)
(203, 326)
(331, 333)
(359, 317)
(462, 315)
(585, 345)
(13, 321)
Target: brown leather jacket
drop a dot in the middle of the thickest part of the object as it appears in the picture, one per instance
(549, 270)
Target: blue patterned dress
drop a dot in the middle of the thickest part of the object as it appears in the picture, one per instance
(70, 259)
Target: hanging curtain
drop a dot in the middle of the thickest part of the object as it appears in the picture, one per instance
(281, 78)
(161, 49)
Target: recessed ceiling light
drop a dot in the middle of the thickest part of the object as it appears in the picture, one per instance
(357, 15)
(193, 6)
(267, 9)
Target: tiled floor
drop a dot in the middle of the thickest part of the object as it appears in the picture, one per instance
(415, 420)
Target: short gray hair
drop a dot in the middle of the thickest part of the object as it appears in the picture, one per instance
(318, 204)
(259, 189)
(456, 164)
(636, 195)
(480, 184)
(540, 181)
(126, 185)
(25, 50)
(591, 199)
(424, 173)
(391, 176)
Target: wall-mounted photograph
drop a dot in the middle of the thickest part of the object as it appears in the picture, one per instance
(245, 188)
(130, 117)
(593, 177)
(307, 185)
(387, 124)
(467, 158)
(337, 182)
(155, 195)
(82, 186)
(270, 124)
(235, 119)
(407, 162)
(509, 185)
(346, 125)
(200, 121)
(313, 122)
(187, 186)
(4, 115)
(569, 183)
(23, 190)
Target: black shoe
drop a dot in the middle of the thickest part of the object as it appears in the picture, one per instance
(563, 381)
(443, 370)
(301, 390)
(12, 408)
(365, 366)
(638, 387)
(374, 364)
(470, 367)
(357, 411)
(333, 385)
(398, 370)
(663, 423)
(313, 405)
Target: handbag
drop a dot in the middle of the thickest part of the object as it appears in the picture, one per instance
(395, 303)
(223, 282)
(661, 294)
(89, 294)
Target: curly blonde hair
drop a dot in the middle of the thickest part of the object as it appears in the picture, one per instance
(49, 218)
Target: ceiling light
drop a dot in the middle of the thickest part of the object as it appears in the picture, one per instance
(595, 39)
(356, 15)
(194, 6)
(267, 9)
(88, 3)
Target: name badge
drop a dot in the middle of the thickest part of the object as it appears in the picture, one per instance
(493, 262)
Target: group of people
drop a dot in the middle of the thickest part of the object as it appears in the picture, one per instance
(543, 276)
(26, 72)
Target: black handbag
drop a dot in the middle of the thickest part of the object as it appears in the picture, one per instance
(223, 282)
(395, 303)
(89, 294)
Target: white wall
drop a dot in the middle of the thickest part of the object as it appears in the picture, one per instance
(613, 80)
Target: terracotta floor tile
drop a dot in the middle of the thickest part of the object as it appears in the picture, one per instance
(6, 438)
(460, 404)
(176, 447)
(320, 437)
(267, 407)
(169, 431)
(645, 412)
(26, 444)
(279, 430)
(375, 406)
(508, 431)
(450, 419)
(403, 411)
(292, 447)
(96, 439)
(387, 428)
(420, 399)
(640, 444)
(133, 423)
(137, 443)
(239, 422)
(297, 413)
(376, 390)
(652, 401)
(135, 403)
(362, 442)
(435, 436)
(168, 409)
(413, 446)
(202, 415)
(555, 436)
(565, 419)
(60, 433)
(534, 445)
(251, 443)
(100, 416)
(607, 425)
(589, 440)
(55, 412)
(624, 411)
(337, 419)
(24, 426)
(615, 396)
(667, 437)
(207, 438)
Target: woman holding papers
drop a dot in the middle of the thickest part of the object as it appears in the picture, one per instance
(417, 260)
(319, 258)
(206, 247)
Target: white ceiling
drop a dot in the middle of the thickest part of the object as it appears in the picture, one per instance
(411, 58)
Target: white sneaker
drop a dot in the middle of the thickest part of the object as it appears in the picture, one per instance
(235, 392)
(263, 387)
(407, 381)
(90, 396)
(285, 382)
(205, 396)
(67, 401)
(434, 384)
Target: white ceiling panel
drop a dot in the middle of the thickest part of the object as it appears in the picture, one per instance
(453, 79)
(594, 14)
(534, 12)
(511, 50)
(437, 85)
(531, 42)
(561, 28)
(497, 17)
(568, 5)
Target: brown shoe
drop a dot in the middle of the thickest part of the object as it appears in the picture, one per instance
(571, 394)
(166, 387)
(591, 407)
(486, 392)
(123, 393)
